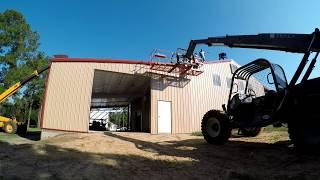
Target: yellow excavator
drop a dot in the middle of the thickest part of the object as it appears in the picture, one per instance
(10, 125)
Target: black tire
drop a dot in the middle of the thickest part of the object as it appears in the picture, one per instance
(10, 127)
(250, 132)
(215, 127)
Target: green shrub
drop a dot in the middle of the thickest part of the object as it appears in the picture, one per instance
(197, 133)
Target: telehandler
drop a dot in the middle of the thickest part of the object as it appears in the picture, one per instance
(10, 125)
(267, 97)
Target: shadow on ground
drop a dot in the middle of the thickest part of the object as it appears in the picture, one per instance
(33, 136)
(235, 160)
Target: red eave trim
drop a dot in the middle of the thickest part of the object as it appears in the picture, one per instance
(95, 60)
(120, 61)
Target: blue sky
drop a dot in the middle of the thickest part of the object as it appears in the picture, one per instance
(131, 29)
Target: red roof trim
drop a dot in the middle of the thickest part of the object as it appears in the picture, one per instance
(120, 61)
(94, 60)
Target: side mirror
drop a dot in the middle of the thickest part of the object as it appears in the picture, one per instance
(270, 78)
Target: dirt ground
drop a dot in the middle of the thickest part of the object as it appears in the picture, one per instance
(145, 156)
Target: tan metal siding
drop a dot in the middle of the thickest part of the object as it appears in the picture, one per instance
(191, 102)
(68, 98)
(67, 105)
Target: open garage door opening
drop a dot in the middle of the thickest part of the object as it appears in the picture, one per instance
(120, 102)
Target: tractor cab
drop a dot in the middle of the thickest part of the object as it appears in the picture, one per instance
(256, 91)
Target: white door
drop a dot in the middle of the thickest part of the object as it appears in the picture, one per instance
(164, 117)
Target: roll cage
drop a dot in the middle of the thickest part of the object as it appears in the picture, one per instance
(288, 42)
(247, 71)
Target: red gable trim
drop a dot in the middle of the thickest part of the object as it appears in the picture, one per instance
(120, 61)
(95, 60)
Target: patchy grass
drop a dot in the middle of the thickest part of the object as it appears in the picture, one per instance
(270, 128)
(197, 133)
(4, 137)
(34, 130)
(31, 134)
(277, 137)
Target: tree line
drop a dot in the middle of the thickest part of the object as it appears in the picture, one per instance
(19, 57)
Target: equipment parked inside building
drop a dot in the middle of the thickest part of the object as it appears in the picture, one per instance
(10, 125)
(278, 102)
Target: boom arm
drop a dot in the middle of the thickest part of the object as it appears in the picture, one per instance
(296, 43)
(13, 89)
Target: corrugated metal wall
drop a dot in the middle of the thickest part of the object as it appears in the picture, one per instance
(68, 95)
(193, 99)
(67, 104)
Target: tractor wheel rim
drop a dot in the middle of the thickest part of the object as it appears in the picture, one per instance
(213, 127)
(9, 128)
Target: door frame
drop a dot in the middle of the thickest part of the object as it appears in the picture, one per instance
(158, 116)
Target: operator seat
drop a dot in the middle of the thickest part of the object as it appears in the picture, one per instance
(242, 107)
(270, 98)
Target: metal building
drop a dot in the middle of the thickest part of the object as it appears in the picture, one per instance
(158, 101)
